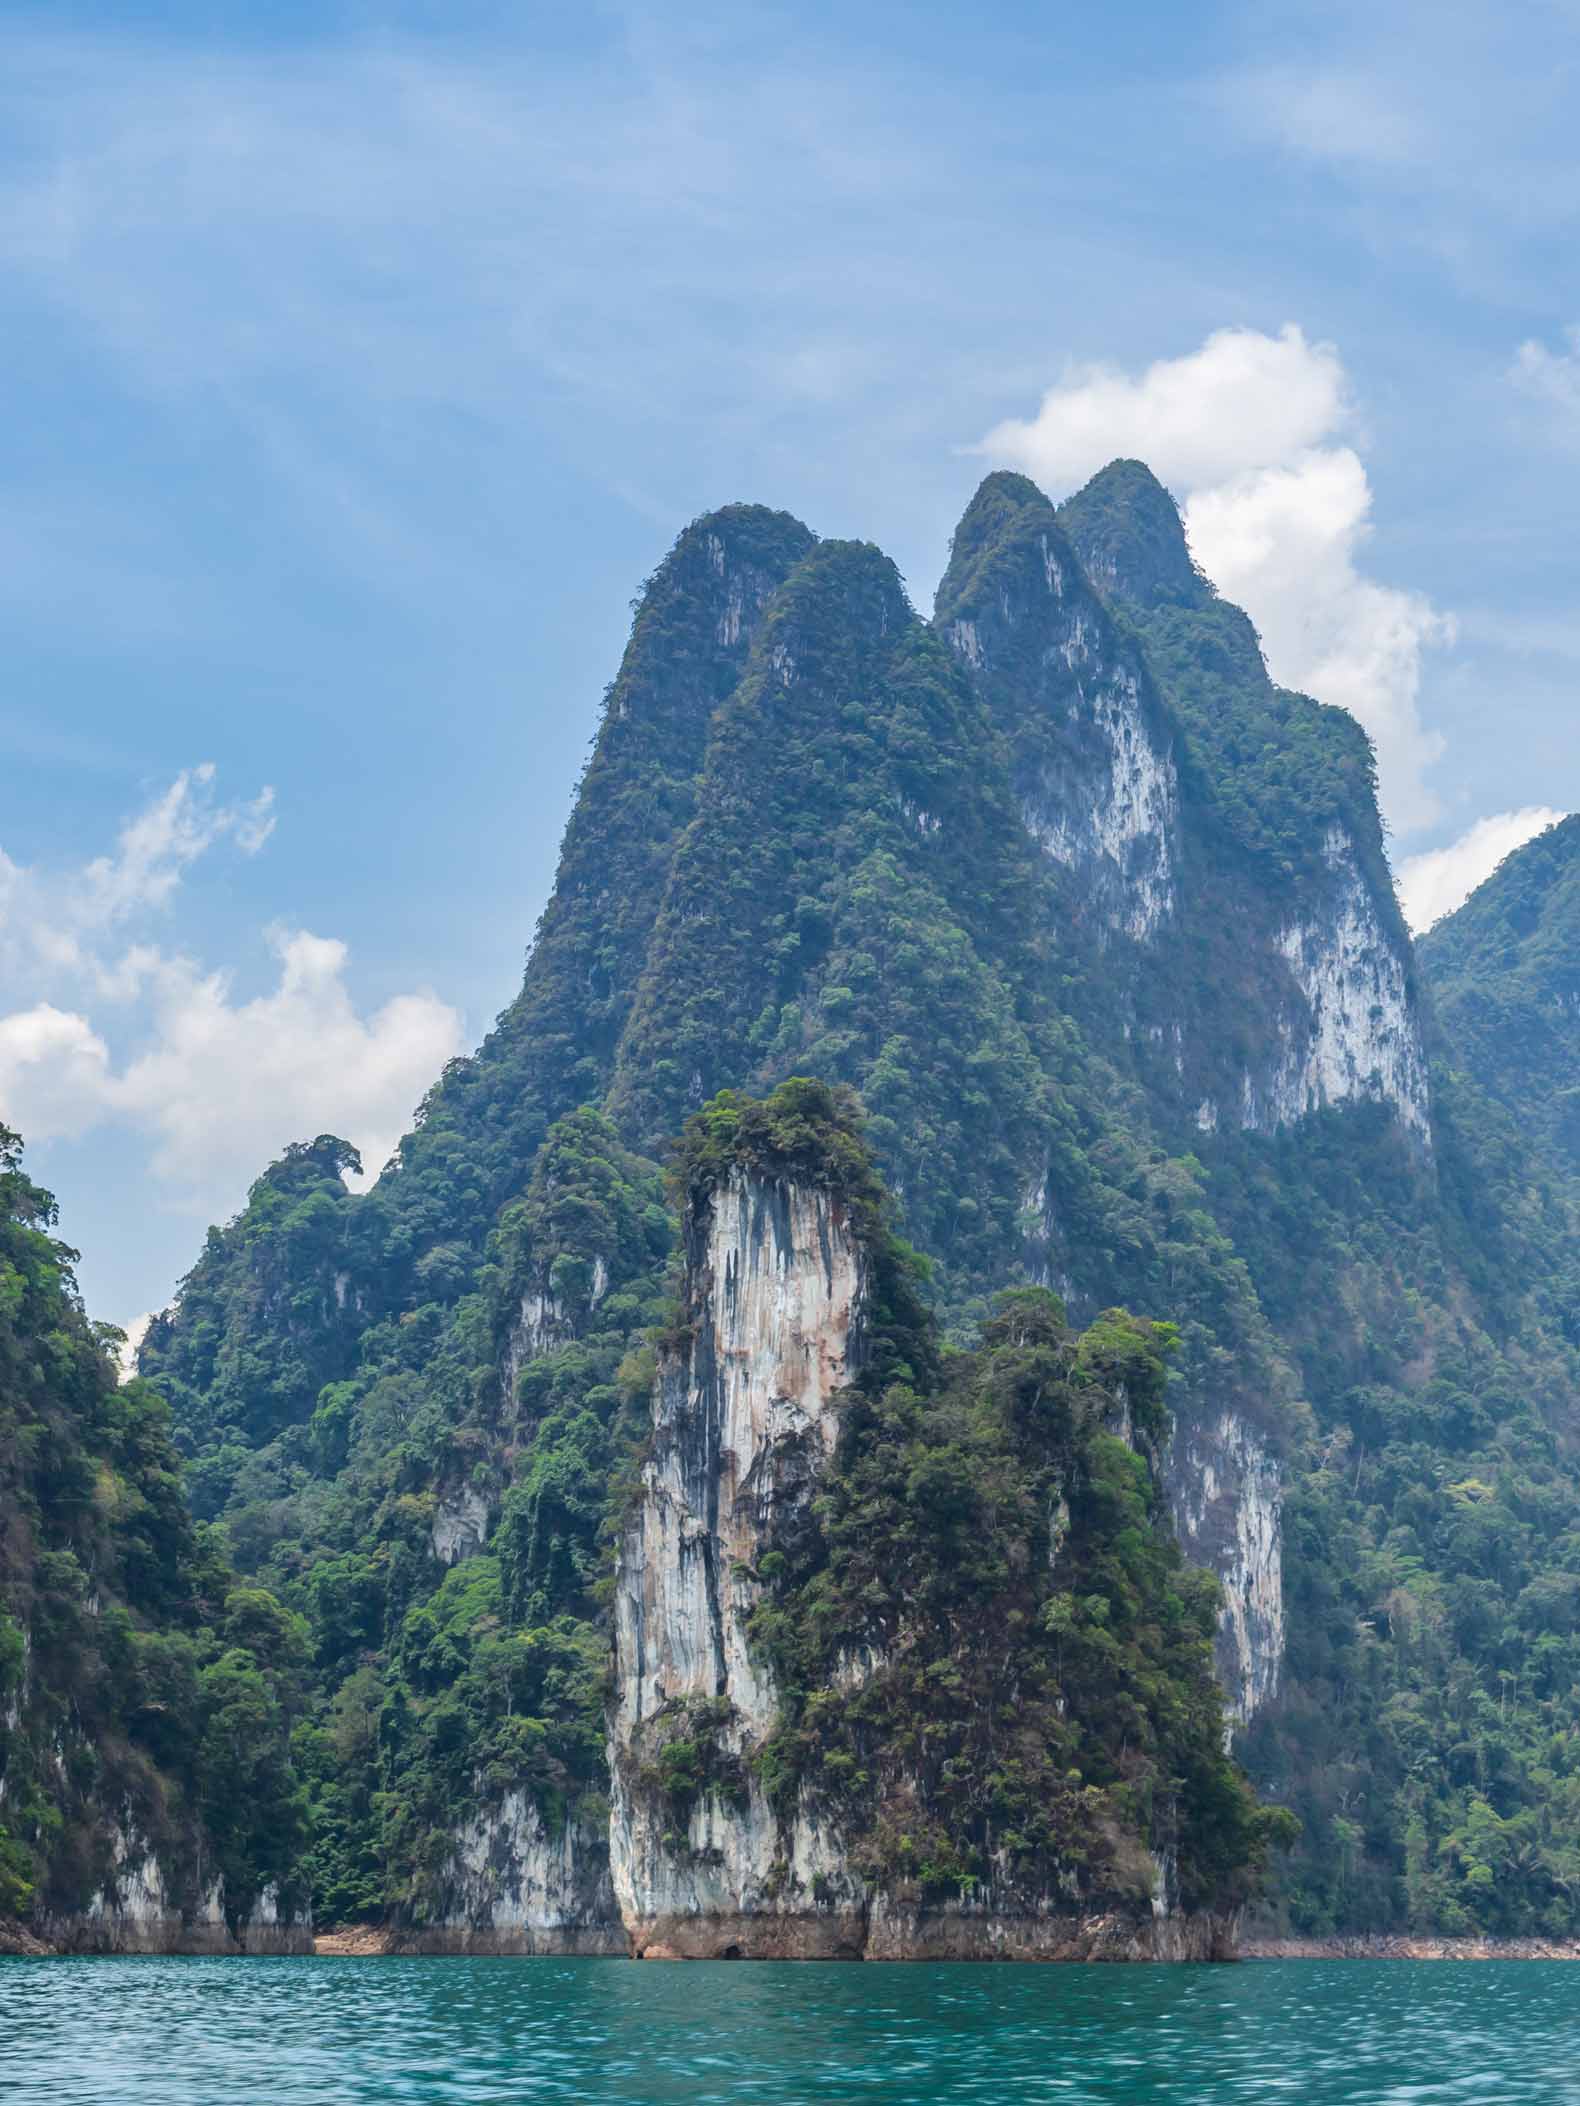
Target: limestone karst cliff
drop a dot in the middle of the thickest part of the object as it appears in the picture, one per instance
(516, 1882)
(744, 1423)
(1256, 1000)
(778, 1753)
(780, 1728)
(1098, 922)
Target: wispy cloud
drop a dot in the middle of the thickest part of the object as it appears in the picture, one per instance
(1552, 378)
(427, 221)
(385, 277)
(59, 924)
(1439, 132)
(115, 1028)
(1348, 114)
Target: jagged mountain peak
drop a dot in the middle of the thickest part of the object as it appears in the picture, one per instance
(1002, 502)
(691, 638)
(747, 531)
(1008, 550)
(843, 595)
(1127, 531)
(704, 600)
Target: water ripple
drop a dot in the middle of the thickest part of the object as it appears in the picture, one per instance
(488, 2032)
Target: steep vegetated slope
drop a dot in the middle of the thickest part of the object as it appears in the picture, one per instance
(906, 1658)
(1411, 1257)
(147, 1798)
(1098, 924)
(1504, 973)
(287, 1321)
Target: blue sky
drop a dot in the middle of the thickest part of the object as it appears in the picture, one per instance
(362, 361)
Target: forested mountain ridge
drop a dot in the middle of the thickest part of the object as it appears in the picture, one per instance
(1425, 1297)
(1097, 922)
(1504, 973)
(417, 1239)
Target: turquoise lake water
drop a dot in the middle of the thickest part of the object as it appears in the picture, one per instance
(286, 2032)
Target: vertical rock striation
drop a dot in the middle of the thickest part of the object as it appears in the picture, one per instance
(1293, 950)
(514, 1885)
(142, 1907)
(775, 1314)
(1226, 1499)
(1355, 1034)
(1091, 752)
(742, 1425)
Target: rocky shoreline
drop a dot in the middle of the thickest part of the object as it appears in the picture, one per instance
(1404, 1945)
(368, 1941)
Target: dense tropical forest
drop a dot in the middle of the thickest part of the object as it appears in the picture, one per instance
(1096, 925)
(139, 1673)
(991, 1523)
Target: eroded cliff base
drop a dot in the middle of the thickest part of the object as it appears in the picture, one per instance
(97, 1936)
(519, 1941)
(899, 1930)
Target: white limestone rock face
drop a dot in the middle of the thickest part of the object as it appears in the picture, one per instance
(776, 1280)
(1110, 815)
(1104, 800)
(140, 1910)
(1351, 1032)
(133, 1912)
(515, 1887)
(1226, 1495)
(543, 1324)
(460, 1525)
(776, 1283)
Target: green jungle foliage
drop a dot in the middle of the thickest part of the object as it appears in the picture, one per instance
(802, 848)
(1043, 1706)
(266, 1316)
(1427, 1305)
(1039, 1711)
(1047, 1697)
(1504, 974)
(434, 1691)
(1432, 1515)
(146, 1694)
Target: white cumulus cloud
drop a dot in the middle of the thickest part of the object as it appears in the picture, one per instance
(54, 1072)
(1255, 433)
(119, 1028)
(1434, 884)
(126, 1354)
(1283, 542)
(224, 1084)
(1244, 400)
